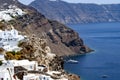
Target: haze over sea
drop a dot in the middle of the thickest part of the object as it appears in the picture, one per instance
(104, 38)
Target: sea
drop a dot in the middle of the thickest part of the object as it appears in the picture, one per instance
(104, 62)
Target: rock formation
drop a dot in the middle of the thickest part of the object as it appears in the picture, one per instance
(43, 37)
(61, 39)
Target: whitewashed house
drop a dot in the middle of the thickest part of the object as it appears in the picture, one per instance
(31, 77)
(37, 77)
(7, 68)
(2, 57)
(9, 40)
(9, 14)
(45, 77)
(29, 65)
(6, 71)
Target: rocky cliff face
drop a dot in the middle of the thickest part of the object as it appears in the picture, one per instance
(43, 38)
(61, 39)
(72, 13)
(36, 49)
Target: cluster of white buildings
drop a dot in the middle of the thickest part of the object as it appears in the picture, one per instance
(37, 77)
(9, 40)
(8, 70)
(10, 13)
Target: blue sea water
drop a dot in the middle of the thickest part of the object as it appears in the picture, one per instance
(104, 38)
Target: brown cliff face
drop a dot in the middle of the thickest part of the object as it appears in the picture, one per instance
(61, 39)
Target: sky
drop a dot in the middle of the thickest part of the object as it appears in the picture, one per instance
(81, 1)
(25, 1)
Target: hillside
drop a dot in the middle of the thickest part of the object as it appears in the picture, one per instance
(61, 39)
(72, 13)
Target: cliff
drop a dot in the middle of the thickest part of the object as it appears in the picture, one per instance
(42, 38)
(61, 39)
(72, 13)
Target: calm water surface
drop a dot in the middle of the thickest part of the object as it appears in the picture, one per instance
(104, 38)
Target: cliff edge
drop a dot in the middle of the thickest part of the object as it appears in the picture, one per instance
(62, 40)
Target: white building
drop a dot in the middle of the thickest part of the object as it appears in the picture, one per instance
(9, 40)
(6, 71)
(7, 68)
(9, 14)
(31, 77)
(2, 57)
(29, 65)
(37, 77)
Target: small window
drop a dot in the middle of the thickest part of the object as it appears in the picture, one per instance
(44, 78)
(0, 39)
(30, 67)
(11, 69)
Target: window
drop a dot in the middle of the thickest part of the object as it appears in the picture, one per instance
(0, 39)
(40, 78)
(44, 78)
(11, 69)
(30, 67)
